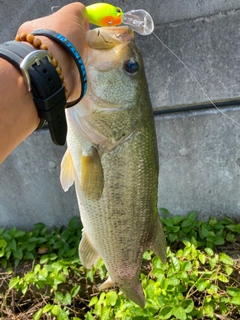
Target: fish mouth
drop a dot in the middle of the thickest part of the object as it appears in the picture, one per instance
(108, 37)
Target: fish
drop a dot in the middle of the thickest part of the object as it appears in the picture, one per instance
(112, 159)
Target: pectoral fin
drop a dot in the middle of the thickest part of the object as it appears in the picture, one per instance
(87, 253)
(92, 180)
(157, 241)
(67, 171)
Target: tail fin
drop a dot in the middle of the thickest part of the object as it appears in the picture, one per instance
(135, 294)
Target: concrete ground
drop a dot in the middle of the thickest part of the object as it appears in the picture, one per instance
(199, 147)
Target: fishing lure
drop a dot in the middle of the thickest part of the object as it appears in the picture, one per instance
(105, 15)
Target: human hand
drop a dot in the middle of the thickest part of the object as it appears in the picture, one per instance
(72, 22)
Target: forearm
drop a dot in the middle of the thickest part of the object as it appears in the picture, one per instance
(18, 114)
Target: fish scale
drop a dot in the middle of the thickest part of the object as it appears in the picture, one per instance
(112, 159)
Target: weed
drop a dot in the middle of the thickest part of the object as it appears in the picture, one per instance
(200, 280)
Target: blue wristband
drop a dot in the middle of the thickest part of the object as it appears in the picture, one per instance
(75, 55)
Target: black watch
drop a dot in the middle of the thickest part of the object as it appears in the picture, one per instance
(44, 82)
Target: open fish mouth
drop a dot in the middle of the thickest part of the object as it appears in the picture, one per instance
(108, 37)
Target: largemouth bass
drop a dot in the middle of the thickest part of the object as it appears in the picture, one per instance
(112, 159)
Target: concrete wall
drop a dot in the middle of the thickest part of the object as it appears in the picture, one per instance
(198, 146)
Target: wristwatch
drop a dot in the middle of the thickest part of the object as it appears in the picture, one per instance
(44, 82)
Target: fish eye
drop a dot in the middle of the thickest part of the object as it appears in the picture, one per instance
(119, 10)
(131, 66)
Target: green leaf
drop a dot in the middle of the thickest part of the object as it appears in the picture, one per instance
(29, 256)
(47, 308)
(73, 223)
(3, 243)
(13, 282)
(230, 237)
(209, 251)
(24, 288)
(37, 315)
(179, 313)
(75, 290)
(223, 257)
(90, 274)
(204, 232)
(55, 310)
(228, 270)
(177, 219)
(223, 308)
(213, 261)
(173, 281)
(234, 228)
(188, 305)
(213, 289)
(147, 255)
(13, 245)
(58, 296)
(63, 315)
(19, 233)
(33, 239)
(43, 273)
(202, 284)
(168, 222)
(156, 262)
(208, 310)
(172, 237)
(233, 291)
(44, 259)
(111, 298)
(165, 211)
(191, 216)
(175, 263)
(186, 223)
(6, 236)
(236, 300)
(93, 301)
(219, 240)
(53, 256)
(2, 252)
(223, 278)
(88, 316)
(67, 299)
(18, 254)
(31, 246)
(165, 313)
(202, 258)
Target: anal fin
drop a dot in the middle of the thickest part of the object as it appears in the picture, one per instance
(92, 180)
(87, 253)
(107, 284)
(157, 240)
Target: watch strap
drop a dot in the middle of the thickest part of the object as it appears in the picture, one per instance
(69, 47)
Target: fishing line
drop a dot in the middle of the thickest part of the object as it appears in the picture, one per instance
(194, 78)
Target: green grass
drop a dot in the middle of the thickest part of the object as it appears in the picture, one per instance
(42, 277)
